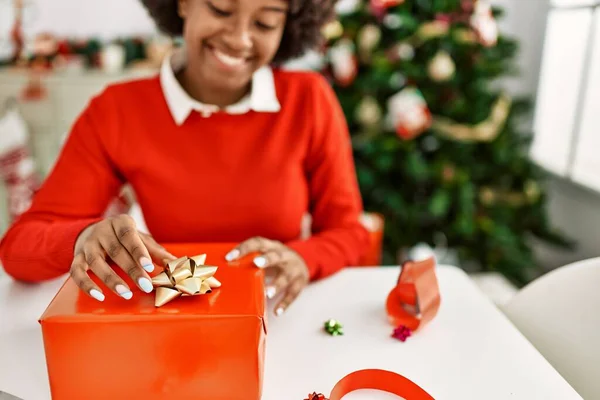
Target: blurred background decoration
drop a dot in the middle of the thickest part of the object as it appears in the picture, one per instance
(437, 93)
(66, 35)
(438, 146)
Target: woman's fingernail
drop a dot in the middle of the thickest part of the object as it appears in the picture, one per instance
(147, 264)
(260, 261)
(279, 311)
(145, 284)
(270, 291)
(124, 292)
(213, 282)
(232, 255)
(97, 295)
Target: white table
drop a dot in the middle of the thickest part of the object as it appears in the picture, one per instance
(469, 351)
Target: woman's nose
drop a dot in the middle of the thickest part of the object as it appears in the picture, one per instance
(238, 37)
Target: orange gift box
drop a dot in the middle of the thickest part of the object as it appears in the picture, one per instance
(207, 346)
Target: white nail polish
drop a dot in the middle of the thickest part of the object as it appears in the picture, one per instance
(232, 255)
(270, 292)
(213, 282)
(147, 264)
(124, 292)
(260, 261)
(97, 295)
(149, 267)
(145, 285)
(279, 311)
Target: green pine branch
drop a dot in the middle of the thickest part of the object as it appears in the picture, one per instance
(487, 199)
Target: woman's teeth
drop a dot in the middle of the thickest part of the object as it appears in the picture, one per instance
(228, 60)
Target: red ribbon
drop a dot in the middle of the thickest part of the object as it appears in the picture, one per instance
(416, 298)
(413, 303)
(378, 379)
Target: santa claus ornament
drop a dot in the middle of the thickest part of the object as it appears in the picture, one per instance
(441, 68)
(409, 113)
(343, 61)
(484, 24)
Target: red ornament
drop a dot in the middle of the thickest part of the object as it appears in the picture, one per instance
(379, 7)
(385, 4)
(315, 396)
(64, 48)
(445, 18)
(402, 333)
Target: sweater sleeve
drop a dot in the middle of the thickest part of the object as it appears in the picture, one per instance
(338, 237)
(39, 245)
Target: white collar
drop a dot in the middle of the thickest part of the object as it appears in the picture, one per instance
(262, 98)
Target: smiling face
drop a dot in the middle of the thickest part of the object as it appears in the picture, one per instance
(228, 40)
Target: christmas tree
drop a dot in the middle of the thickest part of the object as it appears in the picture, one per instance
(438, 144)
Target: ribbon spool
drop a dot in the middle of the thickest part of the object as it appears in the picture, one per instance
(416, 298)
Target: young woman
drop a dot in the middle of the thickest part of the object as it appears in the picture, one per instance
(221, 146)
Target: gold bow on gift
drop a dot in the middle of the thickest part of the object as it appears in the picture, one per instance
(184, 277)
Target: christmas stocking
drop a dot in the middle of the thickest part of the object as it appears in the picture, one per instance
(17, 168)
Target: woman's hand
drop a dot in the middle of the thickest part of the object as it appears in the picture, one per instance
(119, 239)
(289, 271)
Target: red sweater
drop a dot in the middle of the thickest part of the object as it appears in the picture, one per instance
(224, 178)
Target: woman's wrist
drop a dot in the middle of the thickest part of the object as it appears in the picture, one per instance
(85, 232)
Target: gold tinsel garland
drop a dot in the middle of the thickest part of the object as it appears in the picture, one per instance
(493, 196)
(436, 29)
(485, 131)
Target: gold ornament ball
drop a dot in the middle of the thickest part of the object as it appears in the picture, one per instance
(532, 191)
(433, 29)
(406, 51)
(441, 67)
(368, 111)
(487, 196)
(333, 30)
(369, 37)
(466, 36)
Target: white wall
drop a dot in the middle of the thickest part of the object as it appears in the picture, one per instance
(526, 21)
(573, 209)
(105, 19)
